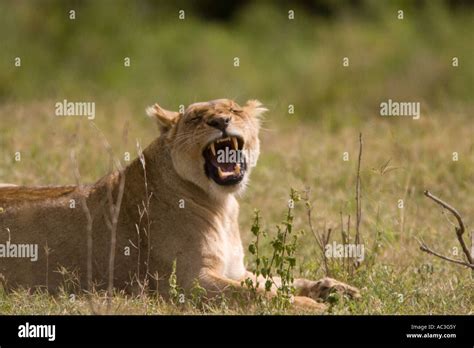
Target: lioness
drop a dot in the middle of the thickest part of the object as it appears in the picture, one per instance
(177, 203)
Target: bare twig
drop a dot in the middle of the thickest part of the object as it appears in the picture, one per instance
(349, 267)
(472, 247)
(348, 228)
(358, 199)
(114, 211)
(402, 211)
(375, 245)
(328, 236)
(320, 239)
(146, 207)
(459, 233)
(143, 212)
(343, 233)
(426, 249)
(114, 214)
(309, 209)
(47, 251)
(459, 230)
(343, 237)
(87, 212)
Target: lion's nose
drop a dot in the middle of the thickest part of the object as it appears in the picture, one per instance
(220, 123)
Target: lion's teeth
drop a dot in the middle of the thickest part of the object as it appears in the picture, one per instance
(219, 171)
(213, 149)
(237, 169)
(236, 143)
(223, 175)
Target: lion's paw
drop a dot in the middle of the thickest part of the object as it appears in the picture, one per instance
(322, 289)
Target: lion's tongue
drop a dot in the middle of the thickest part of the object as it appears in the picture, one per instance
(228, 169)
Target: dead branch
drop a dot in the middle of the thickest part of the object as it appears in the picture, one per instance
(114, 214)
(87, 212)
(320, 239)
(426, 249)
(358, 200)
(472, 247)
(459, 233)
(343, 236)
(114, 211)
(146, 206)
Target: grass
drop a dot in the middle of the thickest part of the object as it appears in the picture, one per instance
(396, 281)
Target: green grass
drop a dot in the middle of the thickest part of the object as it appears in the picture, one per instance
(282, 63)
(298, 157)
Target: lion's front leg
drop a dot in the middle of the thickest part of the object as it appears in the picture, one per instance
(317, 290)
(216, 284)
(321, 289)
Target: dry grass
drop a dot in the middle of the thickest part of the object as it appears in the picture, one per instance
(393, 280)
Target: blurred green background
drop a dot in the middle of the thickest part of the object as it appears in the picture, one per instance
(282, 61)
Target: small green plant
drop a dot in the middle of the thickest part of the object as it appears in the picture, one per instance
(281, 263)
(254, 249)
(223, 303)
(197, 295)
(176, 294)
(284, 249)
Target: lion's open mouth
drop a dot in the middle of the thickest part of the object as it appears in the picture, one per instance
(225, 162)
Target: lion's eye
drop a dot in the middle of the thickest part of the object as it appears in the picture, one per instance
(235, 111)
(194, 119)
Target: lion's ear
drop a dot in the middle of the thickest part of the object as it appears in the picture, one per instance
(254, 108)
(166, 119)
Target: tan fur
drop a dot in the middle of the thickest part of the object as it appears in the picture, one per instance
(6, 185)
(203, 237)
(16, 194)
